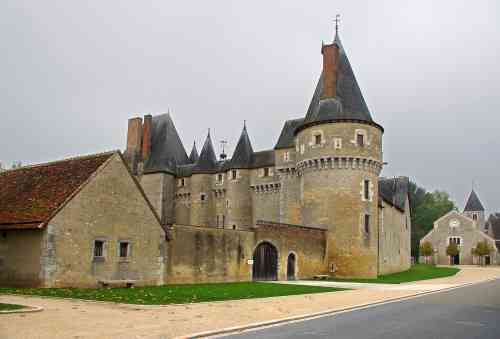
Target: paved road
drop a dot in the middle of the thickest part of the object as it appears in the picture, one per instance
(468, 312)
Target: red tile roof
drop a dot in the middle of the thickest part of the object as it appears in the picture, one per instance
(29, 196)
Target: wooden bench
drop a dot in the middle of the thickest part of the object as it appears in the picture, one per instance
(117, 283)
(321, 277)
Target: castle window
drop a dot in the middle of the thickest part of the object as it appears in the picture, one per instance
(366, 189)
(217, 220)
(124, 249)
(223, 221)
(367, 223)
(302, 148)
(234, 227)
(286, 156)
(234, 174)
(99, 249)
(266, 171)
(227, 203)
(474, 216)
(317, 139)
(182, 182)
(203, 197)
(360, 139)
(220, 178)
(455, 240)
(486, 226)
(337, 142)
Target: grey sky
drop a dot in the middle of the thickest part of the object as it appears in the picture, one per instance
(73, 72)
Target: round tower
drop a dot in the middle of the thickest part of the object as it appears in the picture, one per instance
(339, 159)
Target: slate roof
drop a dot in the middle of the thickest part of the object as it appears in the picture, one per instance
(243, 153)
(31, 195)
(473, 203)
(394, 191)
(167, 151)
(193, 157)
(263, 159)
(349, 104)
(207, 162)
(286, 138)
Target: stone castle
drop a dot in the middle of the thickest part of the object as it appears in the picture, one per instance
(323, 173)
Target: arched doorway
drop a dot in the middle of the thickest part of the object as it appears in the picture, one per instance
(265, 262)
(290, 267)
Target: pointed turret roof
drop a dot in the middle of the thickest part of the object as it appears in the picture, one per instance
(167, 151)
(207, 162)
(348, 103)
(193, 157)
(243, 153)
(473, 203)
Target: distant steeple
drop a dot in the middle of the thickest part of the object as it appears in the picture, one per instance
(207, 161)
(193, 157)
(473, 203)
(243, 153)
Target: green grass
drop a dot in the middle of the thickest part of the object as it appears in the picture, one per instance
(174, 294)
(415, 273)
(10, 307)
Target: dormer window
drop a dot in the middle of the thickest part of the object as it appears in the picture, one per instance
(286, 156)
(474, 216)
(182, 182)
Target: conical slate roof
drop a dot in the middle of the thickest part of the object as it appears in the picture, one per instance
(207, 162)
(167, 151)
(348, 105)
(473, 203)
(193, 157)
(243, 154)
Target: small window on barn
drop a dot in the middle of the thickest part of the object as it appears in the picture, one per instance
(124, 249)
(99, 249)
(367, 223)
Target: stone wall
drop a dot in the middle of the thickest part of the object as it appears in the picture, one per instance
(394, 239)
(20, 257)
(160, 190)
(307, 244)
(109, 208)
(207, 254)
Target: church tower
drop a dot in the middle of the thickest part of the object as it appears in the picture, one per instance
(339, 159)
(474, 209)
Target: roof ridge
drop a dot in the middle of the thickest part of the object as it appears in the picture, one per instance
(77, 157)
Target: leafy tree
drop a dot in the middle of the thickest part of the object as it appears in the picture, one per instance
(16, 164)
(426, 207)
(452, 250)
(481, 250)
(426, 250)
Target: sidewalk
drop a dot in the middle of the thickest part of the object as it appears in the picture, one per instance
(79, 319)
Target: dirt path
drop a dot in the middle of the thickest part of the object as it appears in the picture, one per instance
(80, 319)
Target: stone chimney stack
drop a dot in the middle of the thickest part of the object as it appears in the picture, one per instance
(146, 136)
(330, 70)
(133, 153)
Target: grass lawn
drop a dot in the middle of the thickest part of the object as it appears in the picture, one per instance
(415, 273)
(10, 307)
(174, 294)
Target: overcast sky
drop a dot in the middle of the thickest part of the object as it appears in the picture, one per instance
(73, 72)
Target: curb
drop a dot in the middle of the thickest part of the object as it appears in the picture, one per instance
(27, 309)
(310, 316)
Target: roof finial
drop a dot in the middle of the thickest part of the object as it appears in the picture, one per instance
(337, 21)
(244, 124)
(208, 132)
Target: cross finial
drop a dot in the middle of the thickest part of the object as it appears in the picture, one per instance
(337, 21)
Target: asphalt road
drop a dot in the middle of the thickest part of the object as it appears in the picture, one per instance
(467, 312)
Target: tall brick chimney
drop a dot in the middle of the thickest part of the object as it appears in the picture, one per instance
(146, 136)
(133, 153)
(330, 70)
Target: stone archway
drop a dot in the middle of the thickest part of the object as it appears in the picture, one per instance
(265, 262)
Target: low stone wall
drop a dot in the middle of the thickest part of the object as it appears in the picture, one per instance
(200, 254)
